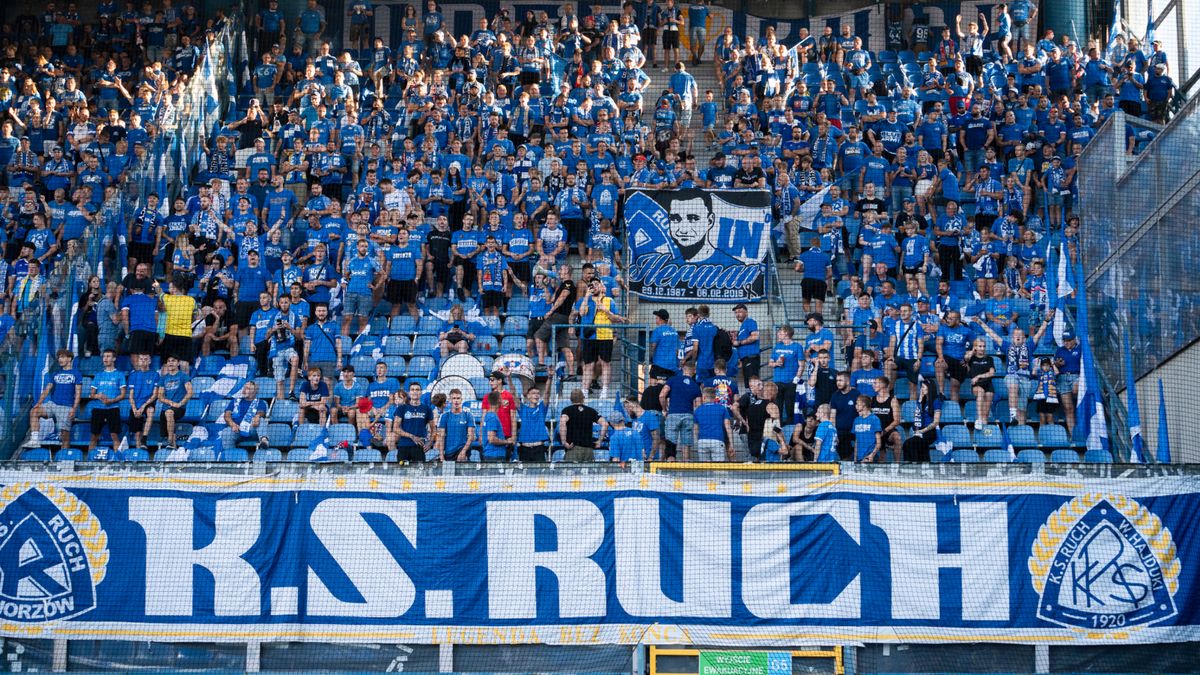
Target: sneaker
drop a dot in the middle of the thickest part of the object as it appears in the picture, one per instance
(35, 439)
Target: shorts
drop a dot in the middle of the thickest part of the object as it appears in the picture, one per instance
(357, 304)
(280, 362)
(670, 39)
(535, 452)
(813, 289)
(661, 372)
(923, 187)
(649, 35)
(179, 346)
(678, 429)
(138, 422)
(311, 415)
(142, 252)
(914, 269)
(910, 368)
(1024, 390)
(710, 450)
(177, 411)
(102, 417)
(594, 350)
(985, 385)
(557, 324)
(401, 292)
(411, 454)
(1045, 407)
(1066, 383)
(142, 342)
(770, 451)
(61, 414)
(535, 325)
(956, 370)
(493, 299)
(243, 310)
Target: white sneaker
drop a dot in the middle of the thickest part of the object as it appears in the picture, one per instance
(604, 392)
(35, 439)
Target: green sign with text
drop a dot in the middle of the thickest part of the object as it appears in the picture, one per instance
(745, 663)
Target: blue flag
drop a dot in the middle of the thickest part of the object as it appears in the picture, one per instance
(1137, 443)
(1164, 437)
(1091, 426)
(1147, 43)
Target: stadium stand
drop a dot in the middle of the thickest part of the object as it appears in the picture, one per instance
(355, 220)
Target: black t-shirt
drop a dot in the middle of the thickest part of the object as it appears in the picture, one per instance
(754, 411)
(580, 419)
(825, 386)
(978, 365)
(748, 177)
(439, 245)
(875, 205)
(566, 292)
(650, 398)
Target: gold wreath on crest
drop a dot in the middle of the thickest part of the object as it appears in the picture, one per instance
(93, 537)
(1051, 535)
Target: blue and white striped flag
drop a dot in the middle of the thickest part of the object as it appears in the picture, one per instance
(1136, 443)
(1091, 425)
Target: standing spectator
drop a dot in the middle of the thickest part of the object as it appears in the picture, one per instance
(310, 26)
(664, 346)
(533, 437)
(575, 429)
(496, 442)
(1066, 361)
(844, 406)
(678, 399)
(981, 369)
(139, 316)
(867, 432)
(786, 358)
(712, 429)
(108, 389)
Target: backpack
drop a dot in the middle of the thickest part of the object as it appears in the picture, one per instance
(723, 346)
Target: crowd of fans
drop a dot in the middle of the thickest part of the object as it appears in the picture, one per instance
(482, 177)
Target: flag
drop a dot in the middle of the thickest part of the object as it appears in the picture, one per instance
(809, 210)
(1091, 426)
(1147, 43)
(1136, 443)
(1061, 289)
(1163, 455)
(1115, 30)
(1008, 444)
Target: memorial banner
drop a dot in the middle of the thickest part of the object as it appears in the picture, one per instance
(703, 245)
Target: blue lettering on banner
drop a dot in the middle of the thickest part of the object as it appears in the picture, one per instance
(596, 559)
(708, 244)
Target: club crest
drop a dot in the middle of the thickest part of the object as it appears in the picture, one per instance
(53, 554)
(1104, 562)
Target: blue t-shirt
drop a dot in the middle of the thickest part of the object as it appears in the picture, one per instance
(348, 396)
(142, 312)
(710, 421)
(865, 429)
(361, 272)
(667, 341)
(827, 435)
(454, 426)
(491, 424)
(111, 384)
(815, 263)
(624, 445)
(790, 355)
(143, 383)
(684, 391)
(174, 385)
(533, 423)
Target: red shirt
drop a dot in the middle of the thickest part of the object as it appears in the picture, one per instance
(507, 405)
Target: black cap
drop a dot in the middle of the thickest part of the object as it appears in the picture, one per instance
(719, 155)
(662, 314)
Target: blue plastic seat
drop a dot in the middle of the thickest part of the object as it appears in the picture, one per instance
(951, 413)
(342, 432)
(518, 305)
(516, 325)
(402, 324)
(363, 363)
(35, 455)
(397, 345)
(989, 437)
(234, 455)
(216, 410)
(996, 456)
(284, 411)
(1031, 456)
(136, 455)
(908, 412)
(964, 456)
(1064, 456)
(268, 455)
(1021, 436)
(1097, 457)
(958, 435)
(299, 455)
(266, 387)
(278, 435)
(425, 345)
(69, 455)
(101, 454)
(1052, 436)
(485, 343)
(306, 434)
(210, 366)
(202, 454)
(421, 367)
(367, 455)
(513, 344)
(395, 366)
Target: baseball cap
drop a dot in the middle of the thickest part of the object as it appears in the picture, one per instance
(1068, 335)
(909, 200)
(662, 314)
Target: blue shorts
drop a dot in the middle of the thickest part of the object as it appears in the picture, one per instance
(770, 451)
(357, 304)
(1066, 383)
